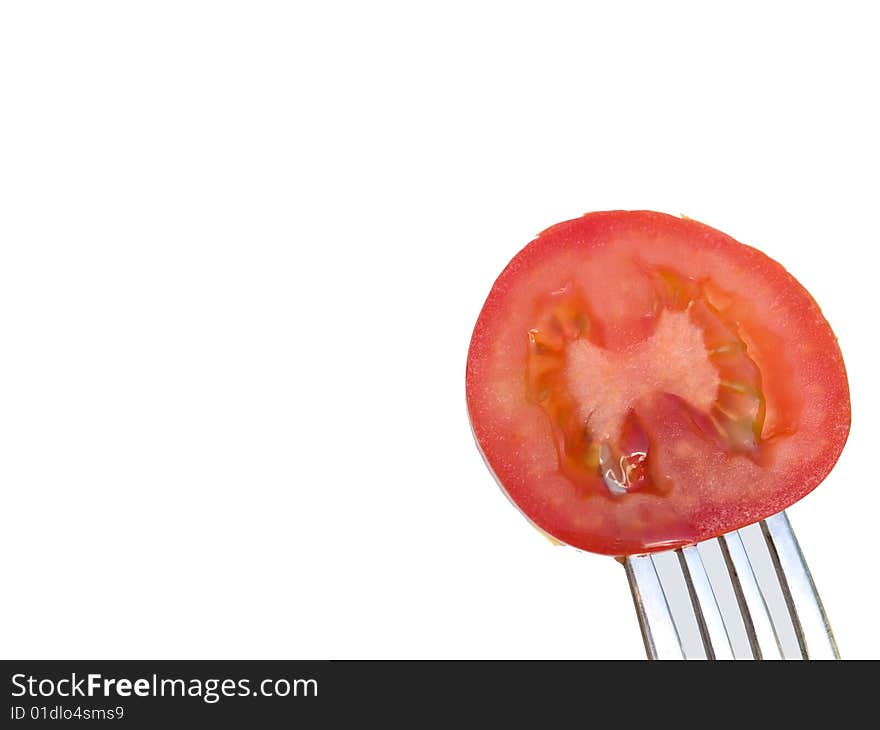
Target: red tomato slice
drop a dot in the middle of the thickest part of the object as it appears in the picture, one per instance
(638, 382)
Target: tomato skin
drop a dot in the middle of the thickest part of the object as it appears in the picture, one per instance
(715, 489)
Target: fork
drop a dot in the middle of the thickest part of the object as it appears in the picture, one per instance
(678, 598)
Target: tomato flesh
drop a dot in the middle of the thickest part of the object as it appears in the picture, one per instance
(638, 381)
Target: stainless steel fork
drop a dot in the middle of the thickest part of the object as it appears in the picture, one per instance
(771, 611)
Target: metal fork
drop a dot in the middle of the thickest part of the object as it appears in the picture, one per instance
(666, 610)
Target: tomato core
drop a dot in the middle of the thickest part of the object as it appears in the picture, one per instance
(591, 394)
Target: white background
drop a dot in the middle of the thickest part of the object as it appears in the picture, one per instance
(242, 249)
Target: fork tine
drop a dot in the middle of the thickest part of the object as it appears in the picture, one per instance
(807, 614)
(716, 642)
(759, 626)
(660, 627)
(655, 619)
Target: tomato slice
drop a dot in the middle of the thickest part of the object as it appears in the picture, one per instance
(638, 382)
